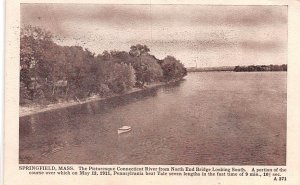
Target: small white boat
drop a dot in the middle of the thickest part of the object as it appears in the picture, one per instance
(124, 129)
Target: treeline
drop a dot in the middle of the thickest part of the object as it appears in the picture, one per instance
(271, 67)
(50, 72)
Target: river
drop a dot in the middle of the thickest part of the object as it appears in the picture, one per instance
(210, 118)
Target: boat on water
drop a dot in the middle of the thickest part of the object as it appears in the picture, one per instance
(124, 129)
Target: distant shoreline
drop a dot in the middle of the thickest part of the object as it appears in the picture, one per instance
(250, 68)
(234, 71)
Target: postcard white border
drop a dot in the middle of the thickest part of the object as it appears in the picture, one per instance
(14, 176)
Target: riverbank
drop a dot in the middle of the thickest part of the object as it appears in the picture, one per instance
(35, 109)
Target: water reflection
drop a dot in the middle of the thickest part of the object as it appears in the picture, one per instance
(97, 107)
(47, 133)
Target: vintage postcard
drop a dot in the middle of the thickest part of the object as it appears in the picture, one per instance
(157, 92)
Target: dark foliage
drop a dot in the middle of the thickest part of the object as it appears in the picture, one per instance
(50, 72)
(251, 68)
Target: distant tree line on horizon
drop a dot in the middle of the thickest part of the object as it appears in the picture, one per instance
(249, 68)
(271, 67)
(50, 72)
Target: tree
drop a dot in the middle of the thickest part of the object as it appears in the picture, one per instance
(138, 50)
(34, 69)
(173, 69)
(147, 70)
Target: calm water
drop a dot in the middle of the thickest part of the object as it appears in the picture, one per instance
(209, 118)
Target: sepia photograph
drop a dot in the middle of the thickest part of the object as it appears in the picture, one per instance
(153, 84)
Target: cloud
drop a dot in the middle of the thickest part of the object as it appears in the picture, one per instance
(262, 46)
(145, 14)
(191, 30)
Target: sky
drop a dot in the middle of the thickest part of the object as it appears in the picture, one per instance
(197, 35)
